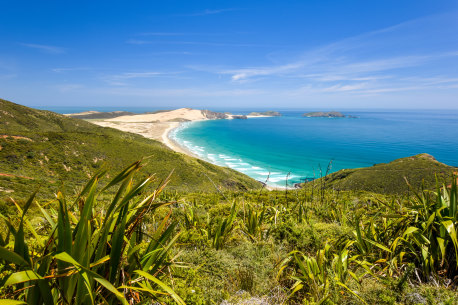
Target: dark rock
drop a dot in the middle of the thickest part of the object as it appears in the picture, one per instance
(211, 115)
(239, 117)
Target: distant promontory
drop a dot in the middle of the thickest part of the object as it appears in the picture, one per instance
(87, 115)
(328, 114)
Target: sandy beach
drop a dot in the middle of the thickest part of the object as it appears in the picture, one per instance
(159, 124)
(173, 144)
(158, 131)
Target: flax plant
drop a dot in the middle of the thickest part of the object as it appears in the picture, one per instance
(422, 231)
(93, 256)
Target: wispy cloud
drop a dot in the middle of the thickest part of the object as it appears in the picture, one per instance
(138, 41)
(339, 68)
(44, 48)
(182, 92)
(7, 76)
(69, 87)
(174, 34)
(173, 53)
(370, 88)
(207, 12)
(376, 62)
(122, 78)
(201, 43)
(130, 75)
(62, 70)
(162, 34)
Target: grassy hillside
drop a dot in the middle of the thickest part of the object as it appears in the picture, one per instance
(389, 178)
(42, 147)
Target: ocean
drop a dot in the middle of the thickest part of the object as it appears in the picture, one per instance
(291, 148)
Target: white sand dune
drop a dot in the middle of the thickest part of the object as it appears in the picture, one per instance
(178, 114)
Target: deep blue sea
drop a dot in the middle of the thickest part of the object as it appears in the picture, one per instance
(300, 147)
(304, 147)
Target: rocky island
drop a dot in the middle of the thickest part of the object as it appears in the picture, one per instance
(265, 113)
(328, 114)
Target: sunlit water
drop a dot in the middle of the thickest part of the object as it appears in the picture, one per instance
(304, 147)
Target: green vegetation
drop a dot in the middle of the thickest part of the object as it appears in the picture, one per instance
(388, 178)
(254, 247)
(202, 234)
(44, 148)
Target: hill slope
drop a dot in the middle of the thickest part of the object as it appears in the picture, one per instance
(41, 146)
(389, 178)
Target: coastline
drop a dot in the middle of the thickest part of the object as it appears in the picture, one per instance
(159, 127)
(174, 145)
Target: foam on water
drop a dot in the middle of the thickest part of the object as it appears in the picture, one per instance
(223, 159)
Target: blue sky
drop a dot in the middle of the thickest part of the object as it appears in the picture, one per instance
(266, 54)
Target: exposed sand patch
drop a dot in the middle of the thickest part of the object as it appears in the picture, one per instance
(11, 175)
(4, 136)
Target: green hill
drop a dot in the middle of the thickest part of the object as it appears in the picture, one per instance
(41, 146)
(388, 178)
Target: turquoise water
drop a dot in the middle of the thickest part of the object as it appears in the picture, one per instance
(303, 146)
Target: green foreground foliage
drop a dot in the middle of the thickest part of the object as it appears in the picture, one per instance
(91, 256)
(144, 244)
